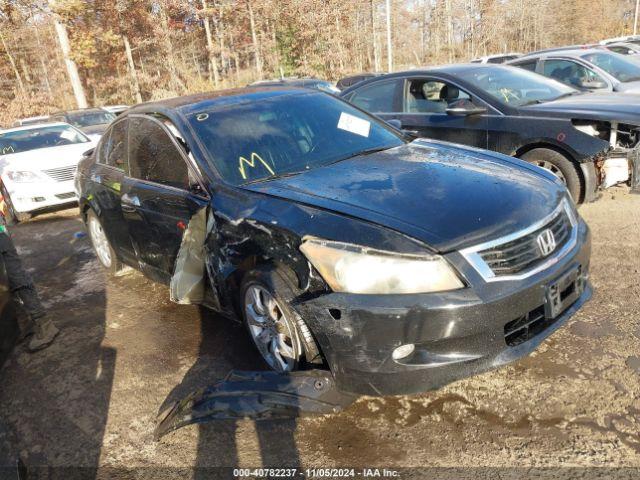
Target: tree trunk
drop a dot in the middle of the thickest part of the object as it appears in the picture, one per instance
(13, 64)
(389, 48)
(213, 64)
(72, 69)
(132, 70)
(254, 39)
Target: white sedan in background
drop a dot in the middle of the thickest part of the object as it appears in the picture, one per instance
(37, 166)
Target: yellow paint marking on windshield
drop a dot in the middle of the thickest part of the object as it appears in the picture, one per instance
(242, 161)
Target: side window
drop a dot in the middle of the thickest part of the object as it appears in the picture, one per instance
(154, 157)
(103, 149)
(113, 149)
(377, 97)
(431, 96)
(531, 65)
(570, 73)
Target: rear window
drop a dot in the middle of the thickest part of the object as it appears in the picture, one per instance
(35, 138)
(86, 119)
(286, 134)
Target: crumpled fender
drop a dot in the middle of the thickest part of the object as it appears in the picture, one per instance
(257, 395)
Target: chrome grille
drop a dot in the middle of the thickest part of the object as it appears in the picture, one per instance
(62, 174)
(524, 252)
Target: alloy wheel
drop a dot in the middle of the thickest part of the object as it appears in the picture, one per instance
(270, 329)
(552, 168)
(100, 242)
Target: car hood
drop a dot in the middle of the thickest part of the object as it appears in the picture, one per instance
(444, 195)
(45, 158)
(628, 87)
(591, 106)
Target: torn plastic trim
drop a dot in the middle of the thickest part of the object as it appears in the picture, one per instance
(257, 395)
(187, 281)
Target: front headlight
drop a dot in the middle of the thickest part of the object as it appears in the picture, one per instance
(23, 177)
(354, 269)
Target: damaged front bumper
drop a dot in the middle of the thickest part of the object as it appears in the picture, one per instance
(257, 395)
(448, 335)
(620, 166)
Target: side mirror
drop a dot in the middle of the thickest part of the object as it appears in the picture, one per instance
(88, 153)
(395, 123)
(592, 84)
(465, 108)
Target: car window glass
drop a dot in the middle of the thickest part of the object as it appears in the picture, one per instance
(154, 157)
(432, 96)
(569, 72)
(622, 50)
(531, 66)
(103, 149)
(377, 97)
(115, 148)
(616, 65)
(24, 140)
(277, 136)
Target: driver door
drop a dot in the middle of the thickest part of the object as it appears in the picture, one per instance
(158, 198)
(424, 113)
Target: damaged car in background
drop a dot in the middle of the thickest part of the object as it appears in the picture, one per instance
(588, 140)
(389, 266)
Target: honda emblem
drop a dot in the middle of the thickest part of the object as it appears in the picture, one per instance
(546, 242)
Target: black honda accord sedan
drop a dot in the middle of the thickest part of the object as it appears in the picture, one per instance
(398, 265)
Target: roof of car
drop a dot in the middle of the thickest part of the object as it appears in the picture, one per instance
(80, 110)
(575, 52)
(33, 127)
(207, 100)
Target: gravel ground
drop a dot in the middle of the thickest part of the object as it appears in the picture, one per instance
(125, 350)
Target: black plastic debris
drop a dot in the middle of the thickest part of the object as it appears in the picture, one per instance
(257, 395)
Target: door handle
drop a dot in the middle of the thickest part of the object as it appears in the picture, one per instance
(129, 203)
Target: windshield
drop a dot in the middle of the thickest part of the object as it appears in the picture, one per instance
(286, 134)
(34, 138)
(515, 86)
(86, 119)
(615, 65)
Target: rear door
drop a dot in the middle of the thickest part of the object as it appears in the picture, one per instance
(424, 112)
(107, 177)
(158, 198)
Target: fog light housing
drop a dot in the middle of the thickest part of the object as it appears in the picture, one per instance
(38, 199)
(403, 351)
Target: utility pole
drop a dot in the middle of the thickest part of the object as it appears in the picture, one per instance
(72, 69)
(389, 48)
(635, 18)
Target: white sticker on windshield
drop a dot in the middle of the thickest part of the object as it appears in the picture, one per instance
(354, 124)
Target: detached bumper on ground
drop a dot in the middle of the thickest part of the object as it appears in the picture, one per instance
(454, 334)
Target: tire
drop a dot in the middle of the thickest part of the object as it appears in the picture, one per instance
(101, 246)
(13, 217)
(273, 283)
(563, 168)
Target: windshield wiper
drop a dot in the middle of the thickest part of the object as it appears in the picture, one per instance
(274, 177)
(362, 153)
(539, 101)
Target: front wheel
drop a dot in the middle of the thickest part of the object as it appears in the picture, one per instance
(279, 333)
(560, 166)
